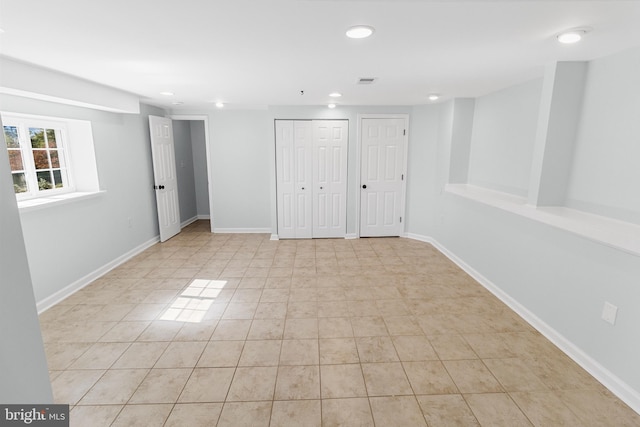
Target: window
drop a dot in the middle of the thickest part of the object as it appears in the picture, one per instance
(38, 157)
(52, 159)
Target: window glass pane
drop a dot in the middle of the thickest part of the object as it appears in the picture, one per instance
(51, 138)
(55, 161)
(11, 136)
(37, 137)
(15, 160)
(44, 180)
(19, 183)
(40, 159)
(57, 179)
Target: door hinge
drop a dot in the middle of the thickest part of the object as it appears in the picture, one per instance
(400, 220)
(404, 131)
(402, 177)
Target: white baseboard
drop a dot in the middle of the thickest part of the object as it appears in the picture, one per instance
(616, 385)
(183, 224)
(274, 237)
(207, 217)
(350, 236)
(51, 300)
(243, 230)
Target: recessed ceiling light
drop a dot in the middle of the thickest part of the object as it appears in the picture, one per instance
(219, 104)
(177, 102)
(573, 35)
(335, 94)
(434, 97)
(360, 31)
(331, 105)
(166, 93)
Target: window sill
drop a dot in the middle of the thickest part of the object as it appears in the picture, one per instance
(57, 200)
(624, 236)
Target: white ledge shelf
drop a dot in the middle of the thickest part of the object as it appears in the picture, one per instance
(617, 234)
(57, 200)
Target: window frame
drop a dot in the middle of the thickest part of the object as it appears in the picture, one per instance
(23, 124)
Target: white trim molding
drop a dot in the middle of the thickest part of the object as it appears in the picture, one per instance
(74, 287)
(183, 224)
(242, 230)
(616, 385)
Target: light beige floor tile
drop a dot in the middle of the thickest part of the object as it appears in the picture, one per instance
(266, 329)
(194, 415)
(240, 310)
(61, 355)
(115, 387)
(271, 310)
(496, 409)
(253, 383)
(142, 415)
(490, 346)
(302, 310)
(246, 295)
(221, 354)
(301, 413)
(160, 330)
(94, 416)
(414, 348)
(398, 411)
(332, 308)
(275, 295)
(472, 376)
(245, 414)
(141, 355)
(181, 355)
(299, 352)
(429, 378)
(346, 413)
(125, 331)
(336, 327)
(231, 330)
(385, 379)
(451, 347)
(70, 386)
(544, 409)
(376, 349)
(201, 331)
(338, 351)
(340, 381)
(301, 329)
(145, 312)
(161, 386)
(447, 411)
(261, 353)
(100, 356)
(514, 375)
(371, 326)
(297, 382)
(402, 325)
(207, 385)
(594, 407)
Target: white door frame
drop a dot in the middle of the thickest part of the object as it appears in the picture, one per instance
(403, 196)
(207, 147)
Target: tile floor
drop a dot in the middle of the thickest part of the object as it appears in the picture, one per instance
(237, 330)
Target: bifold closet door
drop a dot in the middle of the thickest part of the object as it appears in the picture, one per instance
(330, 142)
(293, 179)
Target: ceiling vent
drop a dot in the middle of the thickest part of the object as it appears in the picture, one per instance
(367, 80)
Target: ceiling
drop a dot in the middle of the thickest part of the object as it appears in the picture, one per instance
(254, 53)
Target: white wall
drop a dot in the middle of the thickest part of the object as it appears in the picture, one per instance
(185, 170)
(555, 276)
(606, 172)
(504, 131)
(68, 242)
(24, 377)
(198, 145)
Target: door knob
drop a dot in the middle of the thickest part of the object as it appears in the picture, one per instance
(321, 188)
(161, 187)
(364, 186)
(303, 188)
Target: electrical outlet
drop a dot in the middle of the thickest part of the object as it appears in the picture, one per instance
(609, 313)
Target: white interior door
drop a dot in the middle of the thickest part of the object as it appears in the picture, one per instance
(382, 156)
(330, 144)
(164, 173)
(293, 178)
